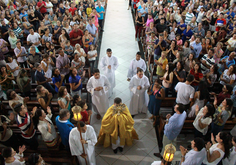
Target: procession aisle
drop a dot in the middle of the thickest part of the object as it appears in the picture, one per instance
(118, 35)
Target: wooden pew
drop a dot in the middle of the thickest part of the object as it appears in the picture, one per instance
(188, 127)
(33, 103)
(63, 156)
(34, 85)
(168, 102)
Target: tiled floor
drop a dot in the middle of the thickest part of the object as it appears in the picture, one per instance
(119, 36)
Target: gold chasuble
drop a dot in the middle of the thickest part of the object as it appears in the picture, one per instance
(117, 122)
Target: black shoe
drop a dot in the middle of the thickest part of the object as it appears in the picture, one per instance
(115, 151)
(102, 30)
(120, 149)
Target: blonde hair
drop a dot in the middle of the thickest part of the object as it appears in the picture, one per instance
(220, 43)
(9, 32)
(164, 52)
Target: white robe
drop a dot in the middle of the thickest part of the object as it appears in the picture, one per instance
(110, 73)
(139, 98)
(133, 67)
(76, 146)
(115, 146)
(99, 98)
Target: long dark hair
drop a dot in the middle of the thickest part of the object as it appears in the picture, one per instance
(33, 159)
(61, 91)
(75, 97)
(199, 67)
(229, 103)
(37, 114)
(215, 69)
(234, 68)
(53, 72)
(210, 111)
(175, 48)
(226, 140)
(7, 152)
(81, 104)
(204, 94)
(1, 66)
(9, 94)
(6, 58)
(182, 65)
(66, 34)
(22, 72)
(72, 73)
(171, 68)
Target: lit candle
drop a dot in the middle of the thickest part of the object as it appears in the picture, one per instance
(77, 116)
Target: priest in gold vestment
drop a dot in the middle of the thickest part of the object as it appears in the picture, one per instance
(117, 127)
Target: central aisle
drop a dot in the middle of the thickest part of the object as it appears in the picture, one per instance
(119, 32)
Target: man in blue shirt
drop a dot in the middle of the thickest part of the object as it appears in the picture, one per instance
(42, 80)
(58, 79)
(64, 126)
(173, 127)
(143, 10)
(23, 14)
(101, 12)
(196, 47)
(92, 30)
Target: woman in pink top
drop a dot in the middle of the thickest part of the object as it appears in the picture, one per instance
(149, 20)
(96, 15)
(179, 41)
(218, 52)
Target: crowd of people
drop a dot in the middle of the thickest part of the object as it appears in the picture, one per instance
(189, 45)
(52, 44)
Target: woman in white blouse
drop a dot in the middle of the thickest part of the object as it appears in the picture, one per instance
(231, 160)
(80, 52)
(14, 98)
(12, 158)
(228, 76)
(47, 64)
(12, 65)
(49, 5)
(218, 150)
(203, 120)
(46, 127)
(12, 39)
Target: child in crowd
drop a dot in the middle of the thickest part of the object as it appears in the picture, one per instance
(84, 112)
(161, 64)
(92, 54)
(69, 49)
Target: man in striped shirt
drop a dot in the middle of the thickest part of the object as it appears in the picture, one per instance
(196, 47)
(25, 123)
(189, 16)
(207, 61)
